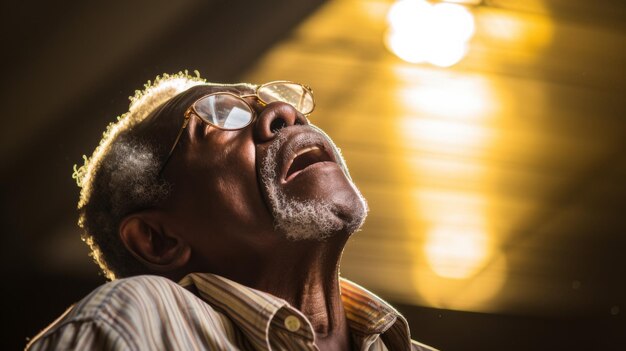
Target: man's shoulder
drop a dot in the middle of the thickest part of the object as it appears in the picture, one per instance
(126, 293)
(124, 297)
(147, 284)
(125, 309)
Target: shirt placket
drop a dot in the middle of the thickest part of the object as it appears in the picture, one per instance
(290, 330)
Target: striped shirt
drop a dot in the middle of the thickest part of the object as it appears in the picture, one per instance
(209, 312)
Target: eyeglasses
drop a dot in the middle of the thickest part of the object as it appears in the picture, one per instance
(228, 111)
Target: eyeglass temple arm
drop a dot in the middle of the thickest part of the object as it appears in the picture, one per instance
(180, 133)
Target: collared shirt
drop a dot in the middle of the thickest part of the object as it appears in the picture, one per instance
(209, 312)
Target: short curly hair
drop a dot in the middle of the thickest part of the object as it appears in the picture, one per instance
(122, 176)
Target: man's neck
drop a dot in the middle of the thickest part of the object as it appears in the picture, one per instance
(306, 274)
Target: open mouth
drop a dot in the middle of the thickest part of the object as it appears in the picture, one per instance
(306, 158)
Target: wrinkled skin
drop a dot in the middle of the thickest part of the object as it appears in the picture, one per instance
(220, 219)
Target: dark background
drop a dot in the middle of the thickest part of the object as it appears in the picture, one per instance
(69, 68)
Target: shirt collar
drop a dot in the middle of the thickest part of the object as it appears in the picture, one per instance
(368, 314)
(254, 311)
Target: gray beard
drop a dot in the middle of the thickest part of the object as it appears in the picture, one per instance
(310, 219)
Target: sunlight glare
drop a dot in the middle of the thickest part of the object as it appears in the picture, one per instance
(433, 133)
(434, 33)
(451, 97)
(456, 252)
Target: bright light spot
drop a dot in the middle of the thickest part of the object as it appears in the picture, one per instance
(414, 50)
(456, 252)
(447, 54)
(433, 33)
(458, 264)
(466, 2)
(457, 245)
(451, 97)
(457, 169)
(472, 294)
(408, 14)
(452, 207)
(432, 133)
(456, 22)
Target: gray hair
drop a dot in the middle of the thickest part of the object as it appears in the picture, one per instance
(122, 176)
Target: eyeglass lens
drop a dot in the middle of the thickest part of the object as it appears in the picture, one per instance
(224, 110)
(294, 94)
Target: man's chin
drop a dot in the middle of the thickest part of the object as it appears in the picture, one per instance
(318, 202)
(358, 217)
(308, 220)
(316, 219)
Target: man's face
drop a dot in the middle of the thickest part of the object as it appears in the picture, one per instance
(277, 175)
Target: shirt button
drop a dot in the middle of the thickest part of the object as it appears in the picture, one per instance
(292, 323)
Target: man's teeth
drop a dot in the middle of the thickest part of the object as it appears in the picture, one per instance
(303, 151)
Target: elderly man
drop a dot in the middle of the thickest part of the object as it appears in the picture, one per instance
(220, 214)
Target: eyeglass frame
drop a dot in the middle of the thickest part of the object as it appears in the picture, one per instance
(192, 110)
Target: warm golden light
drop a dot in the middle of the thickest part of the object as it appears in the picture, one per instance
(434, 33)
(452, 207)
(456, 251)
(517, 31)
(446, 117)
(451, 96)
(454, 169)
(430, 133)
(456, 22)
(434, 150)
(473, 294)
(458, 263)
(457, 244)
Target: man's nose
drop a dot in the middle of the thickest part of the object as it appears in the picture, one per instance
(274, 117)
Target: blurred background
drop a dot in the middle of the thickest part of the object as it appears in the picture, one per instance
(487, 135)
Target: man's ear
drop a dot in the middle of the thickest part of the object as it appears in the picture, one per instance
(145, 237)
